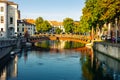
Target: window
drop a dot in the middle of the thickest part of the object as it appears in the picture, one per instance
(1, 9)
(2, 19)
(0, 34)
(18, 29)
(22, 29)
(2, 29)
(11, 20)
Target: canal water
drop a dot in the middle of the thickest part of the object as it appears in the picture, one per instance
(59, 60)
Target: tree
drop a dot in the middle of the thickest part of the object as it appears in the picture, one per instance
(58, 30)
(111, 10)
(76, 27)
(98, 12)
(46, 26)
(68, 24)
(39, 24)
(88, 19)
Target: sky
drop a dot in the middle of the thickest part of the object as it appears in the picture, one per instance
(50, 9)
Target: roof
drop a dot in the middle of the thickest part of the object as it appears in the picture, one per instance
(55, 23)
(76, 22)
(8, 2)
(31, 21)
(24, 22)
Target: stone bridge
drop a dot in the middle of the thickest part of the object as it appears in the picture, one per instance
(76, 38)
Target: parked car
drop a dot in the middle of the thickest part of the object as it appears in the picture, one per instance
(118, 39)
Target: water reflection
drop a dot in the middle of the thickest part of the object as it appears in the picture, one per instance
(110, 67)
(100, 67)
(25, 54)
(9, 70)
(49, 61)
(59, 44)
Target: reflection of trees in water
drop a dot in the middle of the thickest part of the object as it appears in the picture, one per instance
(70, 44)
(43, 44)
(95, 71)
(59, 44)
(110, 66)
(86, 67)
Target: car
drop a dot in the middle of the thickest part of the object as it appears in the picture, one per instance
(118, 39)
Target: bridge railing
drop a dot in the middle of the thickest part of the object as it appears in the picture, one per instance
(70, 36)
(64, 35)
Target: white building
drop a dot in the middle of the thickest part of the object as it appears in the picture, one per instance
(22, 25)
(56, 25)
(8, 18)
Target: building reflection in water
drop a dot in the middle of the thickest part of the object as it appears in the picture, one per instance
(25, 54)
(14, 67)
(96, 66)
(110, 66)
(3, 75)
(59, 44)
(9, 69)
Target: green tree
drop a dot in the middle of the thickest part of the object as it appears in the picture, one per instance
(46, 26)
(111, 10)
(76, 27)
(88, 19)
(58, 30)
(68, 24)
(38, 23)
(99, 12)
(42, 25)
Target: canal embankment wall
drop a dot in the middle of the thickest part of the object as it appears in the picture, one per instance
(109, 49)
(7, 44)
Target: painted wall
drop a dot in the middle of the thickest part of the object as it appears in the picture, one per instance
(9, 10)
(4, 24)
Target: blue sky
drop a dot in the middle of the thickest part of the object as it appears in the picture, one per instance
(51, 9)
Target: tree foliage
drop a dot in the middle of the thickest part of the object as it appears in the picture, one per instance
(58, 30)
(38, 24)
(41, 25)
(68, 24)
(76, 28)
(46, 26)
(99, 12)
(111, 9)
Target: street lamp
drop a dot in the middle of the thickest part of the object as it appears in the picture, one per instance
(116, 28)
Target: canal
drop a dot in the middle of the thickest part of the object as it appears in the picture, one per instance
(59, 60)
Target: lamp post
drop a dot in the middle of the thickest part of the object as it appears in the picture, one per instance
(116, 28)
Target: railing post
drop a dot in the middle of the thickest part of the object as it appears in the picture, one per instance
(116, 28)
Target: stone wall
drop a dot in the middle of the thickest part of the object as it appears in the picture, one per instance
(109, 49)
(6, 46)
(7, 42)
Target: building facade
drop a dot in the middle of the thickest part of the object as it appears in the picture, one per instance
(23, 26)
(8, 18)
(56, 25)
